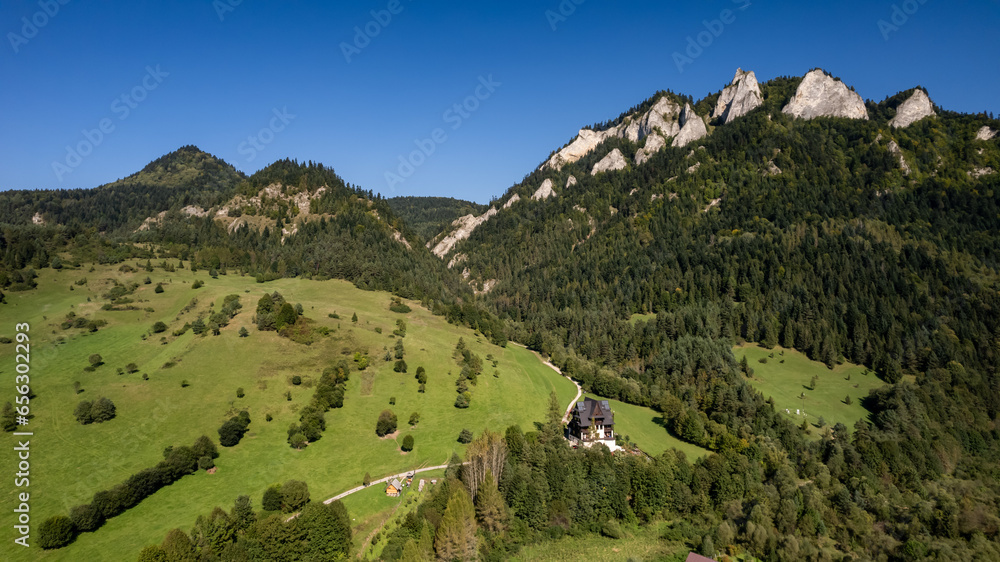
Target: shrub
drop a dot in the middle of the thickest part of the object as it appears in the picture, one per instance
(414, 418)
(386, 423)
(422, 389)
(55, 532)
(85, 518)
(82, 412)
(233, 430)
(272, 498)
(407, 443)
(462, 401)
(96, 360)
(465, 436)
(243, 332)
(392, 400)
(296, 380)
(400, 366)
(102, 410)
(205, 463)
(240, 393)
(294, 495)
(197, 284)
(158, 289)
(132, 368)
(159, 327)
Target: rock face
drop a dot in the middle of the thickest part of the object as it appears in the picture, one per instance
(986, 134)
(820, 95)
(544, 192)
(738, 98)
(465, 225)
(894, 149)
(615, 160)
(514, 199)
(664, 117)
(654, 143)
(692, 127)
(571, 181)
(912, 110)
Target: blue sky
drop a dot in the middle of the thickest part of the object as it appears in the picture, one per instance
(253, 82)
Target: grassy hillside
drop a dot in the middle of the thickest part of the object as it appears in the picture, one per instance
(788, 375)
(69, 461)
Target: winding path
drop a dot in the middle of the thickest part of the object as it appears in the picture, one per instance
(579, 389)
(566, 417)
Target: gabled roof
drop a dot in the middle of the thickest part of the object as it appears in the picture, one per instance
(591, 408)
(395, 484)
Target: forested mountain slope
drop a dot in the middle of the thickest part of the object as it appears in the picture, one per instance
(867, 238)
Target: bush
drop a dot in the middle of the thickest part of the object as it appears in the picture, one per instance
(197, 284)
(392, 400)
(465, 436)
(386, 423)
(240, 393)
(243, 332)
(102, 410)
(82, 412)
(159, 327)
(612, 529)
(400, 366)
(296, 380)
(414, 418)
(462, 401)
(96, 360)
(158, 289)
(205, 463)
(132, 368)
(294, 495)
(272, 498)
(85, 518)
(233, 430)
(408, 443)
(55, 532)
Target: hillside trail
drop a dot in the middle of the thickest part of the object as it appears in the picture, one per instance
(579, 389)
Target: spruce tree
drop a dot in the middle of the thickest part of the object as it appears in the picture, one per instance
(456, 535)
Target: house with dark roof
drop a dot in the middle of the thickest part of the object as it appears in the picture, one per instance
(593, 422)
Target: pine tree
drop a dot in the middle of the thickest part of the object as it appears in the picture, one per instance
(490, 509)
(456, 535)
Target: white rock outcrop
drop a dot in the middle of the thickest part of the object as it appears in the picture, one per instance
(615, 160)
(664, 117)
(571, 181)
(692, 127)
(544, 191)
(985, 134)
(37, 219)
(514, 199)
(654, 143)
(464, 227)
(820, 95)
(586, 141)
(977, 173)
(895, 150)
(739, 98)
(915, 108)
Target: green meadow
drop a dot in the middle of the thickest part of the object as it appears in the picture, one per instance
(787, 377)
(644, 427)
(70, 461)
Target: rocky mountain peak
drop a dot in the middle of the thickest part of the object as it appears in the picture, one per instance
(821, 95)
(739, 98)
(915, 108)
(692, 127)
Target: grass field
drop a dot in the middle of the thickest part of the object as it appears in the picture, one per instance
(644, 428)
(639, 544)
(69, 461)
(788, 380)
